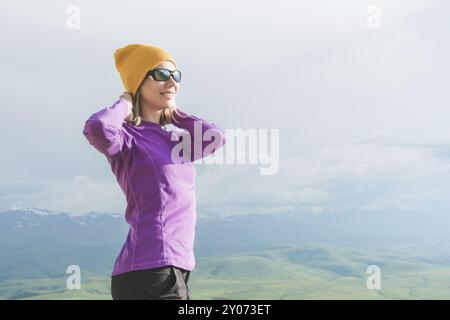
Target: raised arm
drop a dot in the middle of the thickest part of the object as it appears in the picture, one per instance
(206, 137)
(104, 130)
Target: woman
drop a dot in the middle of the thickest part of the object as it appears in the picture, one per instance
(157, 257)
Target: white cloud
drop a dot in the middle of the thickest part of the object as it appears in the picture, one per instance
(372, 172)
(377, 171)
(79, 195)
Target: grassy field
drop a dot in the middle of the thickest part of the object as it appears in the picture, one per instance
(310, 271)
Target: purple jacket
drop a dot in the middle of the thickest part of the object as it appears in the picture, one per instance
(160, 192)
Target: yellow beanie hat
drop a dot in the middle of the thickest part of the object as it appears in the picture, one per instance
(134, 61)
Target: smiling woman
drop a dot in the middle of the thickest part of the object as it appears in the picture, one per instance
(157, 256)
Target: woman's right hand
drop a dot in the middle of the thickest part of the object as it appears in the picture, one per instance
(129, 98)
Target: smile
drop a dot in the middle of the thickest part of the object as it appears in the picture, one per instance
(168, 95)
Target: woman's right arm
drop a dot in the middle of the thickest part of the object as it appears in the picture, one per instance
(103, 129)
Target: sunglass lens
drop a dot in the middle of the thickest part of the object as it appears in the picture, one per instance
(162, 75)
(177, 76)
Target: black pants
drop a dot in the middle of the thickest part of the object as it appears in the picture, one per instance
(164, 283)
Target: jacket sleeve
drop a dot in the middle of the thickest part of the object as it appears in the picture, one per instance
(104, 130)
(205, 137)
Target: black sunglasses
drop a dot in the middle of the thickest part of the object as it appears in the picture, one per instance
(162, 74)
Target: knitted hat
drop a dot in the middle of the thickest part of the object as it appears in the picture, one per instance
(134, 61)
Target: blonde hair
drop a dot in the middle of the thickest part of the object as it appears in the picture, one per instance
(166, 114)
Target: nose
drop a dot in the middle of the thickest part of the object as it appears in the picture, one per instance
(172, 80)
(171, 83)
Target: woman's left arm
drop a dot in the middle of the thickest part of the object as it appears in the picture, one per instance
(206, 137)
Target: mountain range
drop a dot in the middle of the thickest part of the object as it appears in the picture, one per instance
(291, 254)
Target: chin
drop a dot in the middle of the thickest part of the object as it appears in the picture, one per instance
(168, 104)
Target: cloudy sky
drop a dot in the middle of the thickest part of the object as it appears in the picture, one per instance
(362, 112)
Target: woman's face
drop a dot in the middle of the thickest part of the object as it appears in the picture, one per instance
(152, 90)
